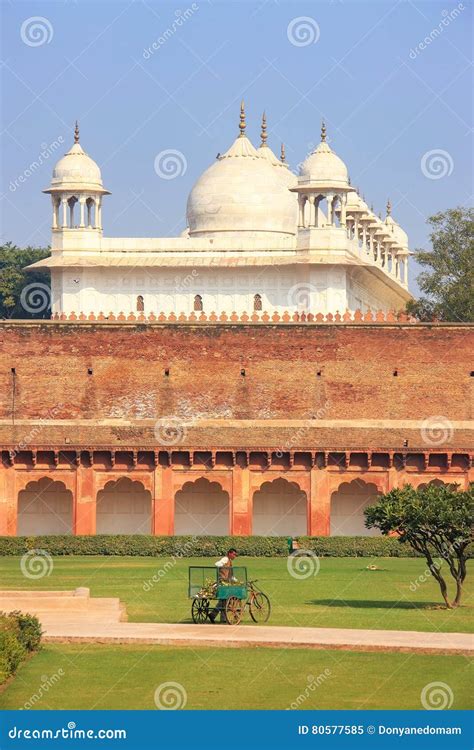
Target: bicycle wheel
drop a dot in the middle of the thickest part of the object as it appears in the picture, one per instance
(259, 607)
(200, 610)
(234, 609)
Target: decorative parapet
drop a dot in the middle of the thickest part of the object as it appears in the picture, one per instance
(357, 316)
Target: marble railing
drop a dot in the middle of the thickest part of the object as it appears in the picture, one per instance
(356, 316)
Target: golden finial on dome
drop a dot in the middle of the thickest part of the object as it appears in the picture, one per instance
(242, 119)
(282, 154)
(76, 133)
(389, 208)
(263, 134)
(323, 131)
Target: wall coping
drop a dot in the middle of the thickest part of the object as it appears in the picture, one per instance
(356, 319)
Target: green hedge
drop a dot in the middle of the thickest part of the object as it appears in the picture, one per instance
(20, 634)
(205, 546)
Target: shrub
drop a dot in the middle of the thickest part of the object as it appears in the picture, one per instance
(12, 653)
(205, 546)
(29, 630)
(19, 634)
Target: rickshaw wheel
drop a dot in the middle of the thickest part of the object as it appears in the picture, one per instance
(233, 610)
(200, 610)
(260, 608)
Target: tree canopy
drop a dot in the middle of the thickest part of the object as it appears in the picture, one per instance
(437, 521)
(447, 282)
(35, 285)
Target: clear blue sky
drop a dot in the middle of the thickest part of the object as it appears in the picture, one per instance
(387, 103)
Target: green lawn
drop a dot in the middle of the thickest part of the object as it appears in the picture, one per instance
(344, 593)
(126, 677)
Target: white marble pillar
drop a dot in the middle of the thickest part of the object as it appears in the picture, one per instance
(55, 216)
(64, 212)
(82, 207)
(343, 209)
(312, 212)
(301, 202)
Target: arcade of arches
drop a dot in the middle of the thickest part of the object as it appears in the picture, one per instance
(163, 500)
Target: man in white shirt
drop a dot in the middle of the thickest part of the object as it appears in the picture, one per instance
(225, 574)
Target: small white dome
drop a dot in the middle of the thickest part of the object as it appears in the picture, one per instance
(355, 205)
(283, 173)
(325, 167)
(400, 237)
(76, 171)
(242, 191)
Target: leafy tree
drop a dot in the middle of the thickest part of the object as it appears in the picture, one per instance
(436, 521)
(448, 280)
(14, 280)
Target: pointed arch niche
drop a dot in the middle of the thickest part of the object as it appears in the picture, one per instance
(202, 507)
(347, 508)
(45, 506)
(280, 508)
(124, 507)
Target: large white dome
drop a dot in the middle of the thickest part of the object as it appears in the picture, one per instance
(242, 192)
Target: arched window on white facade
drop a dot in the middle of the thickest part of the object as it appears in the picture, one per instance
(257, 302)
(197, 303)
(140, 304)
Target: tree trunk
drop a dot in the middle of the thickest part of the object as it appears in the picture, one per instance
(457, 598)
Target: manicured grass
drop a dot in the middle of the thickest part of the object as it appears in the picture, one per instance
(343, 594)
(126, 677)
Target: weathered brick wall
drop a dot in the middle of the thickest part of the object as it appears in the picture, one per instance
(356, 365)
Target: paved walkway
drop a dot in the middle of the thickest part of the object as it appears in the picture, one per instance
(76, 617)
(64, 630)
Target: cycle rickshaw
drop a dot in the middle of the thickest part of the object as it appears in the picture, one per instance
(235, 594)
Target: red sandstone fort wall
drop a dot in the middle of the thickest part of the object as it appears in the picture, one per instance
(321, 406)
(241, 372)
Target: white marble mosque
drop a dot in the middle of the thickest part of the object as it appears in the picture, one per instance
(258, 238)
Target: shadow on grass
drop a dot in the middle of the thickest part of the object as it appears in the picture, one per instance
(378, 604)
